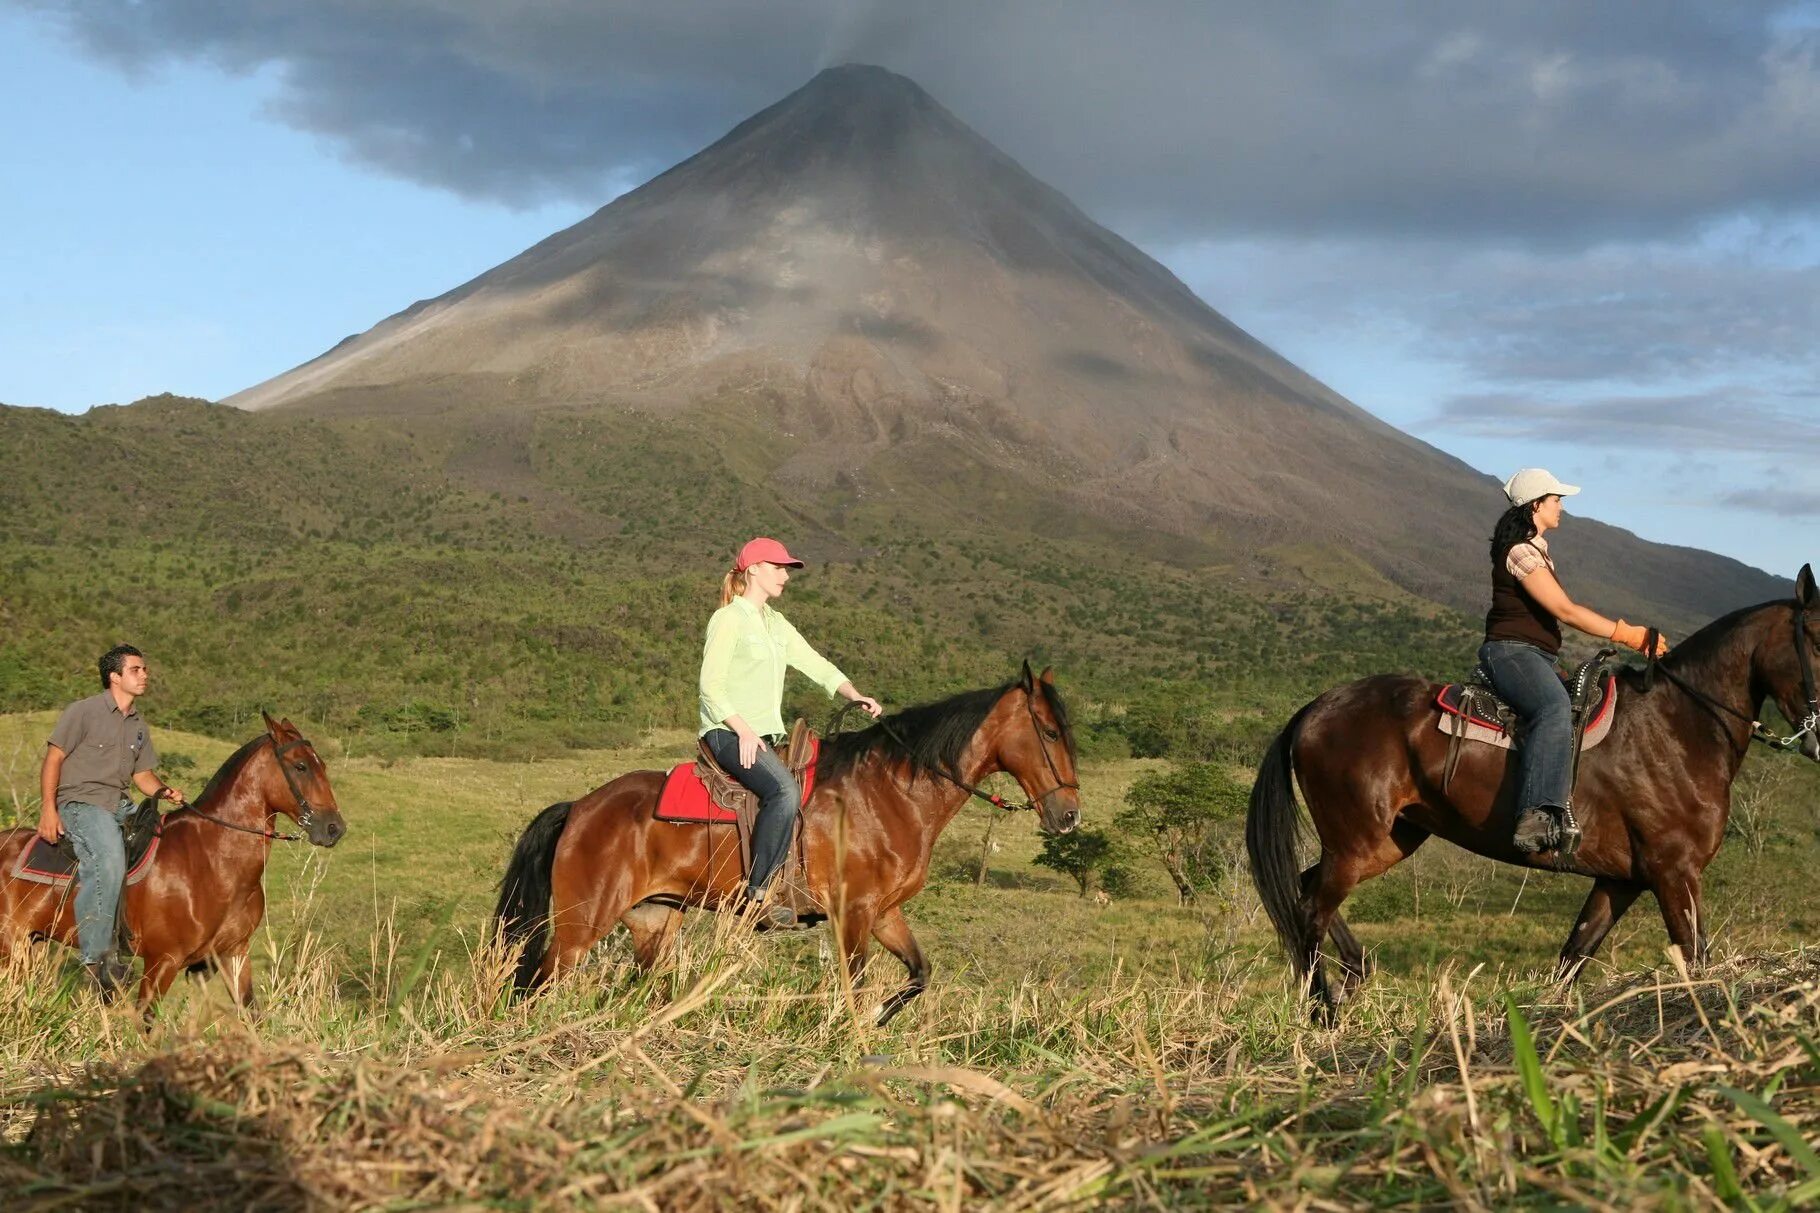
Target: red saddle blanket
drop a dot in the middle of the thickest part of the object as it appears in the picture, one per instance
(685, 797)
(42, 863)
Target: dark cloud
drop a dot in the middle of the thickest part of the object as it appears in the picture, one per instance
(1631, 313)
(1735, 420)
(1561, 122)
(1782, 503)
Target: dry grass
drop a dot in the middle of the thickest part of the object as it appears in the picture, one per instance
(1140, 1056)
(726, 1083)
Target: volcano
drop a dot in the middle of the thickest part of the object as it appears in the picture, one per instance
(878, 288)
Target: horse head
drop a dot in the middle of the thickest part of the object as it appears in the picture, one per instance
(1787, 661)
(297, 785)
(1036, 747)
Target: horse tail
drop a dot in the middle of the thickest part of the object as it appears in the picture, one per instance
(1272, 834)
(522, 918)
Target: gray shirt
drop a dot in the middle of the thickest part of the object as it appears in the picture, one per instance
(104, 749)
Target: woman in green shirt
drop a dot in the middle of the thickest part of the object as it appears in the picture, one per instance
(748, 646)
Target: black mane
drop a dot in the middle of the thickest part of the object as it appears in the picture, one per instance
(933, 735)
(225, 773)
(1695, 657)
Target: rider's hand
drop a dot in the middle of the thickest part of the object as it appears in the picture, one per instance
(1636, 636)
(174, 796)
(750, 744)
(870, 705)
(50, 824)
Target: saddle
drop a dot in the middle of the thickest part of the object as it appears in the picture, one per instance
(1473, 711)
(700, 793)
(55, 863)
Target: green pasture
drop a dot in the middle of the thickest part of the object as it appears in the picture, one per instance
(1068, 1054)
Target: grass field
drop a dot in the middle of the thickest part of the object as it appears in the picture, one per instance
(1141, 1053)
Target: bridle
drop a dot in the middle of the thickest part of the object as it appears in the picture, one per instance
(1810, 725)
(306, 813)
(999, 802)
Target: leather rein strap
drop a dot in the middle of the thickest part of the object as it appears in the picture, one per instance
(1757, 732)
(305, 814)
(999, 802)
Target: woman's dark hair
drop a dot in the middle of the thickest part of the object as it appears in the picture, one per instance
(1517, 525)
(114, 660)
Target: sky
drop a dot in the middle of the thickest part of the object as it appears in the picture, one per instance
(1585, 237)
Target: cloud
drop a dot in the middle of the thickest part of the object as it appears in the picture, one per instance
(1737, 420)
(1741, 303)
(1781, 503)
(1441, 119)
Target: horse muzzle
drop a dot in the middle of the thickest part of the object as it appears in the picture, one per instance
(1059, 812)
(325, 829)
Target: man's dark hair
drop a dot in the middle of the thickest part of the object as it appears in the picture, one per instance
(113, 661)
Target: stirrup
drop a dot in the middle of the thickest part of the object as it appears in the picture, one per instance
(1567, 833)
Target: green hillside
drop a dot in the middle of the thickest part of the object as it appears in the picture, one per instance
(467, 583)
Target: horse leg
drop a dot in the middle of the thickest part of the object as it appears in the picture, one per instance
(160, 972)
(893, 932)
(1405, 837)
(236, 969)
(1678, 895)
(1605, 904)
(855, 939)
(653, 929)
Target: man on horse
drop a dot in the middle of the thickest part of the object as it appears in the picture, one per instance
(100, 745)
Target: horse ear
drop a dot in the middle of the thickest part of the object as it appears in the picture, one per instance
(1047, 677)
(1027, 680)
(271, 726)
(1804, 586)
(286, 722)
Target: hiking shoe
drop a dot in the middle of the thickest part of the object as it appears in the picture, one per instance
(773, 916)
(1537, 830)
(107, 976)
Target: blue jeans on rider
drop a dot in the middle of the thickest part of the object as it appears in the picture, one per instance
(1526, 679)
(779, 799)
(100, 846)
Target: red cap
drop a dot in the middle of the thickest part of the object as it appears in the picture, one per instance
(768, 550)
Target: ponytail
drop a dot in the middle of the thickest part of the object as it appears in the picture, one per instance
(732, 585)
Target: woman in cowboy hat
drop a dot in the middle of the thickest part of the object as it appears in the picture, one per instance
(748, 646)
(1522, 638)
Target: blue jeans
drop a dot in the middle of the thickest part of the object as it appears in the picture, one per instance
(778, 801)
(100, 847)
(1525, 676)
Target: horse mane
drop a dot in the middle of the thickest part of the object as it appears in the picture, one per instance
(930, 737)
(1695, 657)
(226, 772)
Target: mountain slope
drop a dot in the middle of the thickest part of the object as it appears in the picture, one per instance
(855, 295)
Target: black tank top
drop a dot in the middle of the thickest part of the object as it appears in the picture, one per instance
(1514, 615)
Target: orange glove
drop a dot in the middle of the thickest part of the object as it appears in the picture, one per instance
(1635, 636)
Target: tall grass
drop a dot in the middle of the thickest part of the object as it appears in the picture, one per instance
(740, 1077)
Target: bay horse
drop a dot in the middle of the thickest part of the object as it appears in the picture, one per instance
(1653, 798)
(882, 796)
(203, 898)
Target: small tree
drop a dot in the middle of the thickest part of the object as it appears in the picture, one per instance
(1181, 810)
(1080, 854)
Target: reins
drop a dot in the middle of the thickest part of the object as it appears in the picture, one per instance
(305, 814)
(1757, 732)
(996, 801)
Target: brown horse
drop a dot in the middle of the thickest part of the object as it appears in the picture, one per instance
(882, 796)
(1653, 799)
(204, 897)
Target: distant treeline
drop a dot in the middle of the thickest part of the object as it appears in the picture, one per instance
(412, 586)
